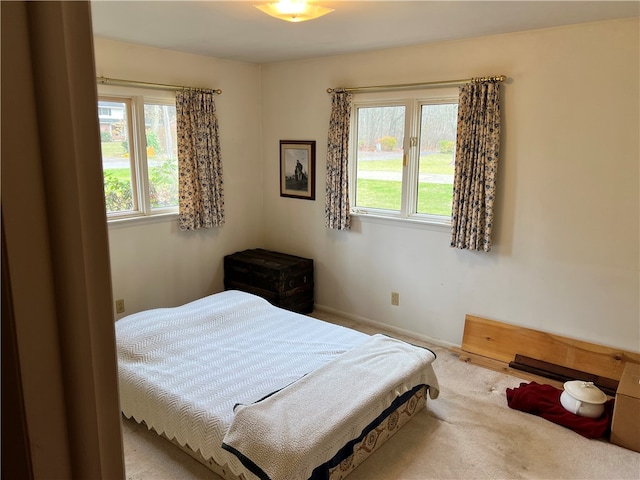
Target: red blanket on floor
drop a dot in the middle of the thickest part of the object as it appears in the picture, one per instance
(544, 401)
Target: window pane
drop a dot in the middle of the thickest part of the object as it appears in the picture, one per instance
(162, 154)
(437, 149)
(116, 161)
(380, 135)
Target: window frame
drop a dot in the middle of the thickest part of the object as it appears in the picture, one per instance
(412, 100)
(137, 98)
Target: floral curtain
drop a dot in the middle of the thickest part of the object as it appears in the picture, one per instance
(477, 148)
(201, 203)
(336, 210)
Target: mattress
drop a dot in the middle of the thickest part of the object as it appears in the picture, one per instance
(183, 370)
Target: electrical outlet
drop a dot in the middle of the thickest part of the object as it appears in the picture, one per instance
(395, 298)
(120, 306)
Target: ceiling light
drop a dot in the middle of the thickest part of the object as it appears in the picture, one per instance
(294, 10)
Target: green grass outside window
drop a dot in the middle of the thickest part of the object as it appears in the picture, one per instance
(433, 198)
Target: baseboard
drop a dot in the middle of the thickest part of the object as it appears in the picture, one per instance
(387, 327)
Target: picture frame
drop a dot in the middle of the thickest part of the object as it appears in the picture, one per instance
(298, 169)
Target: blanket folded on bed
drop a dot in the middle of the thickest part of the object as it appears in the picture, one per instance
(288, 434)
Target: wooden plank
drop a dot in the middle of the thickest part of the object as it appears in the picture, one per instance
(563, 374)
(502, 341)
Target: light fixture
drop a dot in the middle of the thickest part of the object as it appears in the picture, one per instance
(294, 10)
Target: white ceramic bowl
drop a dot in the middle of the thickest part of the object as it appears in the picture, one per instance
(583, 398)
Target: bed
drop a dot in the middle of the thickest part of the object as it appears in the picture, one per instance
(255, 391)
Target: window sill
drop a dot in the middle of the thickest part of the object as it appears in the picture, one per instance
(141, 220)
(428, 224)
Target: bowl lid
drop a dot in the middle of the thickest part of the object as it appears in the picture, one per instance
(585, 391)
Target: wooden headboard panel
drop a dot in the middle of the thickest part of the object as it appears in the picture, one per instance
(502, 341)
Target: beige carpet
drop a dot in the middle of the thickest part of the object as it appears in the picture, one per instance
(469, 432)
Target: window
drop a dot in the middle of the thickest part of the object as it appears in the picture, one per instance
(139, 155)
(402, 158)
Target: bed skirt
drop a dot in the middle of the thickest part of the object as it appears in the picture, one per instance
(376, 437)
(380, 434)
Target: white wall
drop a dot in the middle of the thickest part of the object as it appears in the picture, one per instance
(156, 265)
(566, 245)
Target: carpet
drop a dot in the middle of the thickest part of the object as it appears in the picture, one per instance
(469, 432)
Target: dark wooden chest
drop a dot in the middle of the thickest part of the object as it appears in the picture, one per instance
(284, 280)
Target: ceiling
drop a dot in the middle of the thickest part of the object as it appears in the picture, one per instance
(235, 30)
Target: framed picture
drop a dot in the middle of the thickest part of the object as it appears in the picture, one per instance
(298, 169)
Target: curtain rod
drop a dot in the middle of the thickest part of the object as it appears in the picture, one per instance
(155, 86)
(409, 86)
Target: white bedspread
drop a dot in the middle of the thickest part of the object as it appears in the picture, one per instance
(287, 435)
(183, 369)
